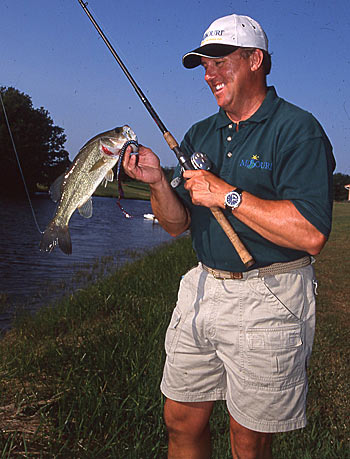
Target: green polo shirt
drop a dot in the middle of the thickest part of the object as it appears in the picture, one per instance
(281, 152)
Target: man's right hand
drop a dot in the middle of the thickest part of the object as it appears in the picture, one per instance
(144, 166)
(168, 209)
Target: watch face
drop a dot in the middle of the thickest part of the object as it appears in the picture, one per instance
(233, 199)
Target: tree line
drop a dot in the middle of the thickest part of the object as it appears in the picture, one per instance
(39, 144)
(40, 148)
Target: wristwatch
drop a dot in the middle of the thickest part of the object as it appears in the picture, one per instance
(233, 199)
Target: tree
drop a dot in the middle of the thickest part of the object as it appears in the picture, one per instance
(339, 182)
(39, 144)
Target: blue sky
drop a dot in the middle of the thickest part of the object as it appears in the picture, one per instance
(50, 51)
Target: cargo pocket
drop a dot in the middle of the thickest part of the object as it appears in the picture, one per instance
(289, 293)
(172, 334)
(275, 357)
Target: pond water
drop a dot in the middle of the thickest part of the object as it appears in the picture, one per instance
(29, 277)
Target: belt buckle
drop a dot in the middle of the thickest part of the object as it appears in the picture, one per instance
(236, 276)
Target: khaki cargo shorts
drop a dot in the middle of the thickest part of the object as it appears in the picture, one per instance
(245, 341)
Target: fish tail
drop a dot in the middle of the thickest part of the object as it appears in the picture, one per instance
(55, 234)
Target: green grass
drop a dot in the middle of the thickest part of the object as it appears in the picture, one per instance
(132, 190)
(81, 380)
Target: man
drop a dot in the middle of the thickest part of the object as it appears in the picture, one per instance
(241, 335)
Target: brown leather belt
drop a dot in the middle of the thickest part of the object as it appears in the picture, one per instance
(271, 270)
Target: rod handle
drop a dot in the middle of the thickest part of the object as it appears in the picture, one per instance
(170, 140)
(240, 248)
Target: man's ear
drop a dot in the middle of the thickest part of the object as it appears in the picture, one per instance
(256, 59)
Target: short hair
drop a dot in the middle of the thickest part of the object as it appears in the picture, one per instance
(266, 63)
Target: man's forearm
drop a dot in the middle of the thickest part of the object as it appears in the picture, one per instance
(281, 223)
(167, 207)
(278, 221)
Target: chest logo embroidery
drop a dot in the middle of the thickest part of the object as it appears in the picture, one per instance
(255, 162)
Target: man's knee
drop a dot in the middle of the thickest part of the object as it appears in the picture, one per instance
(187, 419)
(248, 443)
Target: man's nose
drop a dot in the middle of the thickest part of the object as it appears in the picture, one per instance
(209, 73)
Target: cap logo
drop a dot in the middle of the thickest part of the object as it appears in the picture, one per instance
(213, 33)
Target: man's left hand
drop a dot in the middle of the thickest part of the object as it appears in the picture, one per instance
(206, 189)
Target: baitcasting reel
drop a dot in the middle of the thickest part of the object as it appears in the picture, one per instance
(199, 161)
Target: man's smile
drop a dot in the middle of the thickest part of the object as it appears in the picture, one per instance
(219, 86)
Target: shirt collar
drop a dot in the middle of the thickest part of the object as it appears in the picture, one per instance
(264, 111)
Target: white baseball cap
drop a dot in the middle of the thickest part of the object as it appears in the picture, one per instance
(224, 36)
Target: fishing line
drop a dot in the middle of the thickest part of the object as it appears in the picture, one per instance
(120, 188)
(19, 165)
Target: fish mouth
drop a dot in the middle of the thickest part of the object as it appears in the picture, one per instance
(112, 145)
(128, 133)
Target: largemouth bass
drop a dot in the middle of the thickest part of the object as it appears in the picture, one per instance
(73, 189)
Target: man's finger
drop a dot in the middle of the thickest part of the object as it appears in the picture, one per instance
(190, 173)
(129, 160)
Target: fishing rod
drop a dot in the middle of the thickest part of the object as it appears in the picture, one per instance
(196, 161)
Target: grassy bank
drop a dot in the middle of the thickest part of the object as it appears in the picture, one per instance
(132, 190)
(82, 380)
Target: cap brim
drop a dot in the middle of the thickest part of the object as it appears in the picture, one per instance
(193, 58)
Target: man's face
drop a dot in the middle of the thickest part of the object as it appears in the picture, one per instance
(228, 77)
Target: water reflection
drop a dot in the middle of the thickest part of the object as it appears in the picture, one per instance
(26, 273)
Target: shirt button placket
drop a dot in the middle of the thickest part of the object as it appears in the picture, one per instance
(229, 138)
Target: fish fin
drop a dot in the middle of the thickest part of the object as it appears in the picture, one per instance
(85, 209)
(101, 162)
(110, 175)
(55, 188)
(54, 235)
